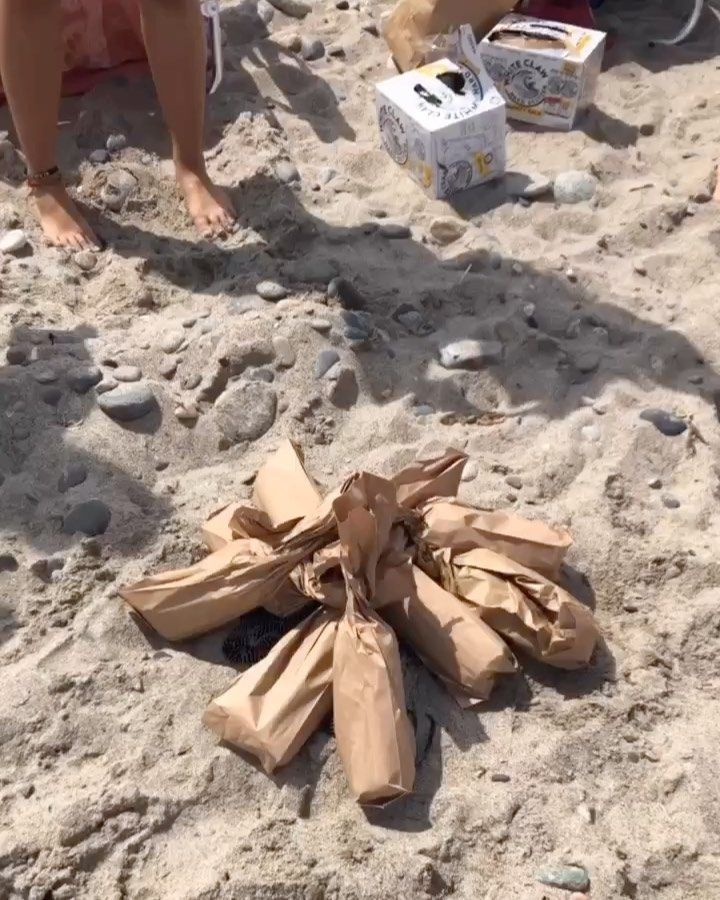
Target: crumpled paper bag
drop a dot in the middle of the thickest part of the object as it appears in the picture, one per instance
(413, 23)
(383, 558)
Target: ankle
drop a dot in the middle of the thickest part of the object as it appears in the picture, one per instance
(191, 168)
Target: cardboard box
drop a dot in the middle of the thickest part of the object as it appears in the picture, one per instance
(445, 122)
(546, 71)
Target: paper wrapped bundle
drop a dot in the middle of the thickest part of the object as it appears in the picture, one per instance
(376, 560)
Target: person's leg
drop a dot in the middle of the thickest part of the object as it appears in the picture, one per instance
(31, 70)
(175, 41)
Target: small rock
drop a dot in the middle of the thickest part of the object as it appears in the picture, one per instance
(73, 475)
(346, 293)
(16, 356)
(665, 422)
(191, 381)
(343, 389)
(115, 143)
(322, 326)
(8, 563)
(189, 321)
(423, 409)
(128, 402)
(574, 187)
(265, 375)
(500, 777)
(26, 789)
(85, 260)
(342, 5)
(296, 9)
(655, 484)
(246, 412)
(127, 373)
(587, 361)
(591, 433)
(312, 49)
(265, 11)
(528, 185)
(98, 157)
(45, 376)
(286, 172)
(393, 231)
(514, 481)
(446, 231)
(670, 502)
(107, 384)
(82, 378)
(51, 395)
(13, 241)
(284, 353)
(168, 368)
(325, 361)
(187, 412)
(172, 341)
(470, 472)
(91, 517)
(647, 129)
(271, 290)
(567, 878)
(516, 268)
(470, 354)
(639, 269)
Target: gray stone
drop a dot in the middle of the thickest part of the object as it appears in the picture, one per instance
(265, 11)
(98, 157)
(574, 187)
(567, 878)
(128, 402)
(16, 356)
(172, 341)
(446, 230)
(271, 290)
(286, 172)
(119, 186)
(500, 777)
(322, 326)
(13, 241)
(189, 321)
(514, 481)
(670, 502)
(51, 395)
(284, 353)
(470, 472)
(73, 475)
(356, 335)
(107, 384)
(127, 373)
(346, 293)
(528, 185)
(246, 411)
(665, 422)
(115, 143)
(191, 381)
(412, 320)
(467, 354)
(312, 49)
(655, 484)
(393, 231)
(91, 517)
(325, 361)
(266, 375)
(343, 388)
(8, 563)
(168, 368)
(423, 409)
(297, 9)
(85, 260)
(587, 361)
(82, 378)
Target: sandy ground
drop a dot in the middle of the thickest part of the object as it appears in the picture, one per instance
(109, 785)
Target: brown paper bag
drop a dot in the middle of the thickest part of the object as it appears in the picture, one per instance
(527, 609)
(452, 525)
(413, 23)
(284, 490)
(427, 478)
(275, 706)
(374, 737)
(456, 645)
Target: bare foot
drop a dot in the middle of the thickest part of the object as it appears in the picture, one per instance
(60, 219)
(209, 206)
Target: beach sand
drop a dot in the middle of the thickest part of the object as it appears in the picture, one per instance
(110, 787)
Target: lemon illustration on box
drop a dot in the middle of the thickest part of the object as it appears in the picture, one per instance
(445, 122)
